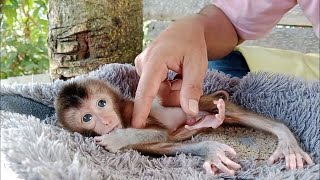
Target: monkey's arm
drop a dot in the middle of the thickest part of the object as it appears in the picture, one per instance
(120, 138)
(287, 145)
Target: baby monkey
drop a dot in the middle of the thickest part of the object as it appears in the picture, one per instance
(95, 108)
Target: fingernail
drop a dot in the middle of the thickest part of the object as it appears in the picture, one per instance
(193, 106)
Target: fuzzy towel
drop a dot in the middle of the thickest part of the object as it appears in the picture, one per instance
(37, 149)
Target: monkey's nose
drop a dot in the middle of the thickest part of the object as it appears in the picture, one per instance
(105, 121)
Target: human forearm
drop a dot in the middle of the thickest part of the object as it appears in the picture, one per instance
(220, 35)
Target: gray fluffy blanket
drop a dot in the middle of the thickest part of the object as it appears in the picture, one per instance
(37, 149)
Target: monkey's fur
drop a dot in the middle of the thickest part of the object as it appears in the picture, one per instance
(93, 107)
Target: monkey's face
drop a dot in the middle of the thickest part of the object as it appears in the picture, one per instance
(97, 114)
(88, 107)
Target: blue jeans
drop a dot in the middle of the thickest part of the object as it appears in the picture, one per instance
(233, 64)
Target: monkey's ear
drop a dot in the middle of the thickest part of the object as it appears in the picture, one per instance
(221, 94)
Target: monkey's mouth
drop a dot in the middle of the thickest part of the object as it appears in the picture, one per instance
(119, 126)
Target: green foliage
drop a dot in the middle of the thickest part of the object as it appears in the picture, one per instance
(24, 37)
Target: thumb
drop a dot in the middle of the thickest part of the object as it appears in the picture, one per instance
(194, 69)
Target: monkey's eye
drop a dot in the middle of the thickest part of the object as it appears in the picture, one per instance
(87, 118)
(102, 103)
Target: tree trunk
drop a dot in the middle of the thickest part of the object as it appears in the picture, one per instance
(84, 34)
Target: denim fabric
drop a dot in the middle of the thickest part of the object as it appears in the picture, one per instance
(233, 64)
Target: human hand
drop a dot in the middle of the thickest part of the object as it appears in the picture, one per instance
(181, 48)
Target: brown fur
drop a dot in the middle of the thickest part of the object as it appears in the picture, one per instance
(73, 95)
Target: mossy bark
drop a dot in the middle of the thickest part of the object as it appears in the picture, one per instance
(84, 34)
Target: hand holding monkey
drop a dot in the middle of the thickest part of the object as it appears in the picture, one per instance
(169, 96)
(86, 107)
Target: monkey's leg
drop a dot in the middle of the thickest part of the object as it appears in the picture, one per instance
(287, 145)
(152, 141)
(182, 133)
(206, 102)
(212, 151)
(211, 120)
(212, 111)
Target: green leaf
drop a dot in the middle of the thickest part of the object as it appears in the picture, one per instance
(14, 3)
(43, 22)
(42, 3)
(11, 58)
(3, 75)
(14, 44)
(30, 3)
(9, 13)
(36, 12)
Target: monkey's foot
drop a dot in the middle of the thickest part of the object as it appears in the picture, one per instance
(213, 120)
(292, 153)
(216, 159)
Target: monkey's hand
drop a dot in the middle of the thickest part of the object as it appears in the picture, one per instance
(216, 159)
(213, 120)
(113, 141)
(293, 154)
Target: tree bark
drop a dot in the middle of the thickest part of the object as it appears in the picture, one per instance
(84, 34)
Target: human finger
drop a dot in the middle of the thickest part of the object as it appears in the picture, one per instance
(138, 63)
(194, 69)
(148, 86)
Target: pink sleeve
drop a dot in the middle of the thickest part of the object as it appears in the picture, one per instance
(253, 19)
